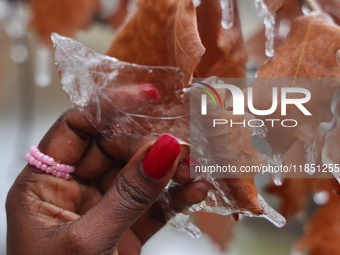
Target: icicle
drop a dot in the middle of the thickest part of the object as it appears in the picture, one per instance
(278, 177)
(196, 3)
(43, 66)
(270, 214)
(321, 197)
(15, 22)
(269, 23)
(19, 53)
(311, 155)
(227, 13)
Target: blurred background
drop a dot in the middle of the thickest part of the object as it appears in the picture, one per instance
(31, 99)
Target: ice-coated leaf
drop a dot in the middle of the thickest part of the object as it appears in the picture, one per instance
(330, 154)
(285, 16)
(308, 52)
(170, 37)
(64, 17)
(225, 53)
(122, 98)
(132, 104)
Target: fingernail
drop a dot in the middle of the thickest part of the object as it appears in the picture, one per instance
(160, 157)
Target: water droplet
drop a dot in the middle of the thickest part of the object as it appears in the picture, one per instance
(321, 197)
(278, 179)
(227, 9)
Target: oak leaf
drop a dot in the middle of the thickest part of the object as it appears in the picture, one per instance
(307, 53)
(322, 230)
(65, 17)
(218, 227)
(170, 37)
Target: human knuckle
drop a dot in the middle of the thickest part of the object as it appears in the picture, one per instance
(133, 192)
(77, 242)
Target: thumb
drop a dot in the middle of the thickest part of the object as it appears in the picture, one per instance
(135, 189)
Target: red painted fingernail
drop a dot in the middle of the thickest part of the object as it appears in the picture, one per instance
(190, 161)
(160, 157)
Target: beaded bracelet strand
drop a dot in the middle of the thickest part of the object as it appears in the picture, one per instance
(47, 164)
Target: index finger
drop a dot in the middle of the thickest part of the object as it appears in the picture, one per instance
(71, 140)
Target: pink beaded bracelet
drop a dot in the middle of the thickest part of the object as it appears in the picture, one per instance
(48, 164)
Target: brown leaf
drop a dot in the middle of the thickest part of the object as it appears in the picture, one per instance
(164, 41)
(64, 17)
(225, 54)
(225, 57)
(333, 8)
(218, 227)
(227, 145)
(293, 193)
(321, 233)
(308, 52)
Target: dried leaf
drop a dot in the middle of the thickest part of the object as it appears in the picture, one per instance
(164, 41)
(308, 52)
(225, 53)
(333, 8)
(218, 227)
(64, 17)
(321, 233)
(226, 145)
